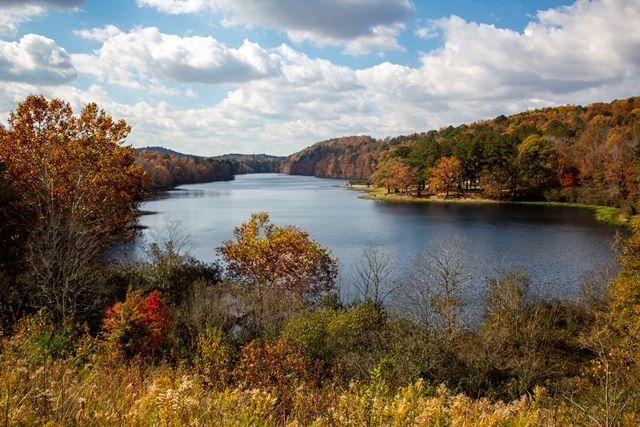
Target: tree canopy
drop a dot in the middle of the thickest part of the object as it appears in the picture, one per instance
(264, 256)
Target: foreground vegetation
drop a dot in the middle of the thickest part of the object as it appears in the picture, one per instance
(263, 338)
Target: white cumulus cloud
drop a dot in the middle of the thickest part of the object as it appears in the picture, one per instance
(282, 99)
(35, 59)
(15, 12)
(144, 56)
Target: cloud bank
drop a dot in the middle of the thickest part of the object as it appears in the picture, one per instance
(361, 26)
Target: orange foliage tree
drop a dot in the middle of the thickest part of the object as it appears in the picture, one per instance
(263, 256)
(74, 188)
(73, 165)
(445, 175)
(395, 174)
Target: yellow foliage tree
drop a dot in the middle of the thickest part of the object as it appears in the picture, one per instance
(393, 173)
(263, 256)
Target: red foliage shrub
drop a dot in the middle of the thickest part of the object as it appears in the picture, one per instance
(138, 326)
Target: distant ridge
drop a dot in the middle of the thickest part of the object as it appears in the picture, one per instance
(254, 156)
(163, 150)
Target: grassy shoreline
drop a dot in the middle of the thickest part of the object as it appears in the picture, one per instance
(606, 214)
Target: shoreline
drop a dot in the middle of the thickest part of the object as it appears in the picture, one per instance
(605, 214)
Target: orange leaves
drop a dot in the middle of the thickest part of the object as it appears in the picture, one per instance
(445, 175)
(264, 256)
(273, 364)
(76, 166)
(394, 173)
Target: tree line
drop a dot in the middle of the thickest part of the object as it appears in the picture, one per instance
(166, 171)
(570, 153)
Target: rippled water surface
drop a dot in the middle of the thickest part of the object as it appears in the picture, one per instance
(558, 246)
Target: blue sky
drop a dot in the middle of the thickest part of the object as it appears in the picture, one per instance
(216, 76)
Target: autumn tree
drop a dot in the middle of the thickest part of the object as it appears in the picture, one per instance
(78, 165)
(395, 174)
(383, 175)
(77, 188)
(263, 256)
(621, 167)
(445, 175)
(538, 161)
(615, 340)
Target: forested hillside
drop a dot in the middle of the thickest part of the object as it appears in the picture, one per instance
(168, 170)
(253, 163)
(570, 153)
(348, 157)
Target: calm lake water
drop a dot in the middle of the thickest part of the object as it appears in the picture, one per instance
(557, 246)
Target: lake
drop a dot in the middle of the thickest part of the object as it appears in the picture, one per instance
(558, 246)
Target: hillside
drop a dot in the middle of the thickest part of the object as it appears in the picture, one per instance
(163, 150)
(568, 153)
(357, 156)
(253, 163)
(167, 170)
(347, 157)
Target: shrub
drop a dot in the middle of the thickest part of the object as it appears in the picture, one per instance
(38, 338)
(138, 326)
(212, 359)
(276, 366)
(349, 340)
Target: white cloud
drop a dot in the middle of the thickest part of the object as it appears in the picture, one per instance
(361, 26)
(12, 16)
(565, 51)
(99, 34)
(35, 59)
(176, 7)
(59, 4)
(428, 32)
(145, 55)
(15, 12)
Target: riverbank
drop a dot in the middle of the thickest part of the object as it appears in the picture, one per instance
(606, 214)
